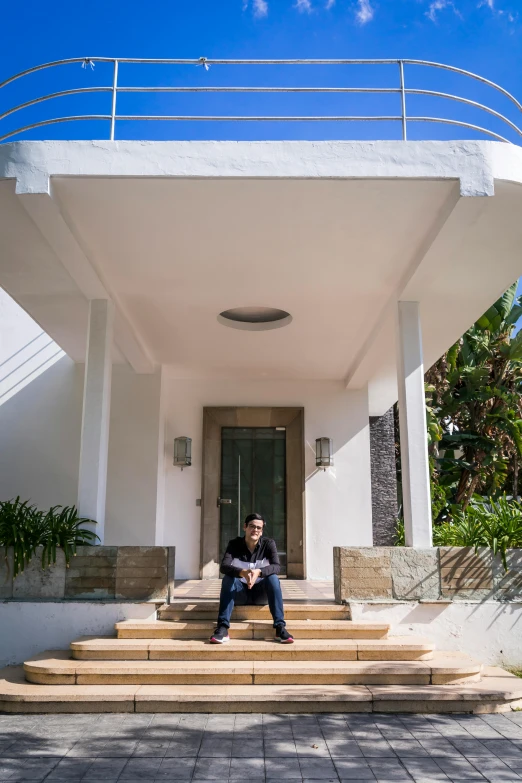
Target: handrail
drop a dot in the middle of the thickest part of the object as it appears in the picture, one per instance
(401, 90)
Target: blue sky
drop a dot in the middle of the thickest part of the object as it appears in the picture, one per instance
(480, 35)
(483, 36)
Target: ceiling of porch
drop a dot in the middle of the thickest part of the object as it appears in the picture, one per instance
(336, 254)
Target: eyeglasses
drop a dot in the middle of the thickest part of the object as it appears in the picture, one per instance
(255, 527)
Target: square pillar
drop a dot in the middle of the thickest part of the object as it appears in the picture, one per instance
(412, 420)
(92, 483)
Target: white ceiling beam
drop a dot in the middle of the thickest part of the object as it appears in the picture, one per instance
(46, 214)
(353, 377)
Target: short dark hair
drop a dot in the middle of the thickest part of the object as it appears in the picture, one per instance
(251, 517)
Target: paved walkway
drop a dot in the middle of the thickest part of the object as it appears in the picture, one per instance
(255, 748)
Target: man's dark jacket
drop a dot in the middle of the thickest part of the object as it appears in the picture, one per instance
(237, 550)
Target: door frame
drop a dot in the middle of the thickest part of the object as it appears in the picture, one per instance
(293, 421)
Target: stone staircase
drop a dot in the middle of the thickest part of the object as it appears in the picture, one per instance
(335, 665)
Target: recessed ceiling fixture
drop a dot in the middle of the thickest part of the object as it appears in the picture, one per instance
(254, 319)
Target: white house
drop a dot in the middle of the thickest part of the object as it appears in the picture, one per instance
(127, 253)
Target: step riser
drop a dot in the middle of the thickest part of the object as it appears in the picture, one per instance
(247, 614)
(226, 653)
(261, 633)
(230, 705)
(240, 679)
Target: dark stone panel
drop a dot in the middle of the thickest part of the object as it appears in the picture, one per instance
(384, 478)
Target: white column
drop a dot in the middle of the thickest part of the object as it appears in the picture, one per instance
(412, 417)
(92, 484)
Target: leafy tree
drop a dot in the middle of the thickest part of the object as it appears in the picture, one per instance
(474, 409)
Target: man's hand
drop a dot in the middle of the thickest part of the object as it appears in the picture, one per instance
(252, 577)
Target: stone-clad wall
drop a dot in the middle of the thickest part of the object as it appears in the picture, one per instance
(96, 573)
(439, 573)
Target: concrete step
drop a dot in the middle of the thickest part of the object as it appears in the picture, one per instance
(499, 691)
(391, 649)
(59, 669)
(207, 610)
(250, 629)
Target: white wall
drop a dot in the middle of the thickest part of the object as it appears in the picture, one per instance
(490, 632)
(132, 472)
(40, 421)
(338, 501)
(30, 627)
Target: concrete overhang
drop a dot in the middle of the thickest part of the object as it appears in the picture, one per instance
(333, 232)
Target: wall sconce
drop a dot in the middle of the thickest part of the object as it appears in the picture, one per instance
(323, 453)
(182, 452)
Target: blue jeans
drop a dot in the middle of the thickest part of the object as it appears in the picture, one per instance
(266, 590)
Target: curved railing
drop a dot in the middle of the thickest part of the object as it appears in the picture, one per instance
(115, 90)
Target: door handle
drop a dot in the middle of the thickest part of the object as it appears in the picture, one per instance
(224, 501)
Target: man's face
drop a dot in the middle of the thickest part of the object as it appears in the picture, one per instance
(254, 530)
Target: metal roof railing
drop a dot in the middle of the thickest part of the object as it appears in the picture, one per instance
(401, 90)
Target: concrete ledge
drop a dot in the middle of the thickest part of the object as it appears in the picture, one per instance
(437, 574)
(96, 573)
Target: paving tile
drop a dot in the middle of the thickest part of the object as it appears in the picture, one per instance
(105, 769)
(376, 748)
(248, 748)
(353, 769)
(221, 748)
(459, 768)
(344, 748)
(181, 748)
(319, 769)
(424, 768)
(176, 769)
(312, 749)
(140, 769)
(246, 769)
(211, 769)
(503, 748)
(280, 749)
(439, 747)
(70, 769)
(282, 769)
(408, 747)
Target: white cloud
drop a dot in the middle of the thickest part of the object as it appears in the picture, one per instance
(260, 8)
(304, 6)
(441, 5)
(364, 11)
(329, 4)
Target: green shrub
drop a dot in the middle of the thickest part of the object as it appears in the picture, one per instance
(496, 524)
(23, 527)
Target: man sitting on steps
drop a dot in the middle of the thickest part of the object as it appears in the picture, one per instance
(251, 565)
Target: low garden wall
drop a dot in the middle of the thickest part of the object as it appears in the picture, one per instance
(435, 574)
(95, 573)
(456, 598)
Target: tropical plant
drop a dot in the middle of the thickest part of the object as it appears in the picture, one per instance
(24, 528)
(474, 408)
(496, 524)
(63, 529)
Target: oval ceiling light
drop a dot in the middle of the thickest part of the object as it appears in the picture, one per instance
(254, 319)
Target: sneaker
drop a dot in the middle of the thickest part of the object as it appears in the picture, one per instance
(283, 635)
(220, 635)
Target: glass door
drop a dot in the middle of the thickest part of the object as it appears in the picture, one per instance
(253, 479)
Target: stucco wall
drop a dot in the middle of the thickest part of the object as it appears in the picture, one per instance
(40, 433)
(489, 631)
(33, 626)
(338, 501)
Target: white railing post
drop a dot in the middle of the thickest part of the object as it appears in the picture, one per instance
(114, 94)
(403, 100)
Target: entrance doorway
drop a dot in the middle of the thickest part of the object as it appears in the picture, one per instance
(253, 460)
(253, 478)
